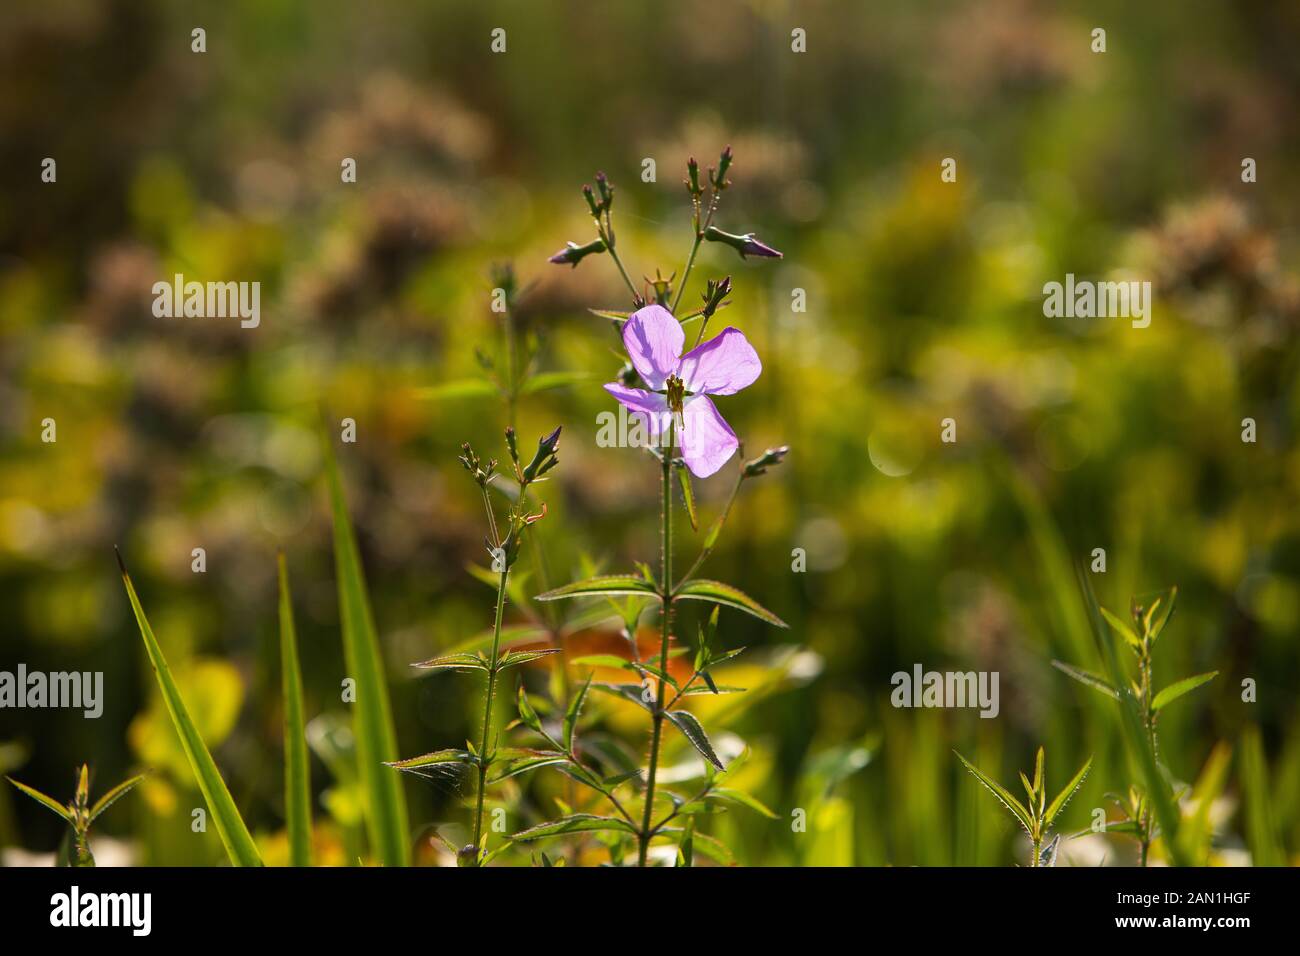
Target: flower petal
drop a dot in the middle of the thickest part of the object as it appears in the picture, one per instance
(654, 340)
(649, 407)
(721, 366)
(708, 440)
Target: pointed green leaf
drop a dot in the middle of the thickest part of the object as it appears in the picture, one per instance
(463, 662)
(743, 799)
(430, 761)
(376, 739)
(629, 692)
(702, 589)
(688, 493)
(1122, 628)
(43, 800)
(110, 798)
(1179, 688)
(1017, 809)
(601, 660)
(575, 823)
(225, 815)
(297, 770)
(605, 584)
(526, 712)
(713, 848)
(1087, 677)
(515, 658)
(571, 714)
(521, 762)
(1064, 796)
(691, 728)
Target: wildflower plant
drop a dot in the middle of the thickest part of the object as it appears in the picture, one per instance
(1146, 802)
(1036, 815)
(669, 389)
(79, 813)
(503, 542)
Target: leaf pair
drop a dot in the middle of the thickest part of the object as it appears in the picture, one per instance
(698, 589)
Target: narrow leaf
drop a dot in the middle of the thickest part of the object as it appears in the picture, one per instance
(376, 738)
(110, 798)
(1179, 688)
(1004, 796)
(225, 815)
(702, 589)
(688, 494)
(1064, 796)
(575, 823)
(572, 713)
(43, 800)
(690, 726)
(1087, 677)
(297, 770)
(745, 800)
(605, 584)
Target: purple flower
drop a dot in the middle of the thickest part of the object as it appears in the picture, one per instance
(681, 384)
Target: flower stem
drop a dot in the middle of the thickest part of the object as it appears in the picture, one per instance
(690, 261)
(483, 761)
(666, 592)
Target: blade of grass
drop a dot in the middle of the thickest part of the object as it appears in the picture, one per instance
(1261, 829)
(225, 815)
(297, 771)
(376, 738)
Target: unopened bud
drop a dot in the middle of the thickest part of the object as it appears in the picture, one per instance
(769, 458)
(746, 245)
(572, 253)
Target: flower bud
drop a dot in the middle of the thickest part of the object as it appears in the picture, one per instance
(714, 293)
(746, 245)
(572, 253)
(719, 178)
(512, 445)
(591, 201)
(606, 192)
(693, 178)
(545, 458)
(769, 458)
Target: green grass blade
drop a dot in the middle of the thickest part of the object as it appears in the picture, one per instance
(297, 771)
(1261, 827)
(225, 815)
(376, 738)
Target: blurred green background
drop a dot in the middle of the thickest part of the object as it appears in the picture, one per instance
(924, 302)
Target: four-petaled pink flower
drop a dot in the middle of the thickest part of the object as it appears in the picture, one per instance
(681, 384)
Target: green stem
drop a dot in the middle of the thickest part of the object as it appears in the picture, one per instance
(690, 261)
(666, 553)
(483, 761)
